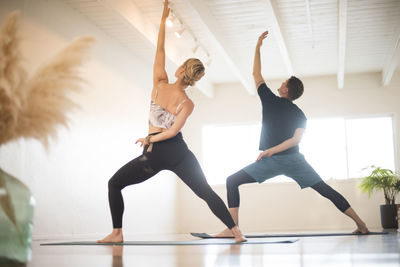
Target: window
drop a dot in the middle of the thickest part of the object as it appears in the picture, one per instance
(369, 142)
(324, 147)
(337, 148)
(228, 148)
(341, 148)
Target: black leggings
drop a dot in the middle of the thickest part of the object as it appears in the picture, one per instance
(241, 177)
(172, 154)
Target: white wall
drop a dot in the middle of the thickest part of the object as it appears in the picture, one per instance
(70, 182)
(283, 206)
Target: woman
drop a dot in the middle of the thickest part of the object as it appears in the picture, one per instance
(164, 147)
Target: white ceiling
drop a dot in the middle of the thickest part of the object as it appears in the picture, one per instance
(307, 37)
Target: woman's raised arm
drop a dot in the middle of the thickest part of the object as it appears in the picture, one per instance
(159, 73)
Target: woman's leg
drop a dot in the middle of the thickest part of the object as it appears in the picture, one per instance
(190, 172)
(341, 203)
(134, 172)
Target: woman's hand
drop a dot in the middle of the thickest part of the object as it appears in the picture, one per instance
(143, 142)
(261, 38)
(265, 153)
(166, 10)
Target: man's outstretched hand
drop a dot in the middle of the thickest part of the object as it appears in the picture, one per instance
(261, 38)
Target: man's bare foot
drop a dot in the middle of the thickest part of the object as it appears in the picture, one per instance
(234, 232)
(361, 229)
(238, 235)
(114, 237)
(225, 233)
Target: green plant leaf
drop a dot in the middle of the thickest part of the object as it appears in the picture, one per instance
(381, 179)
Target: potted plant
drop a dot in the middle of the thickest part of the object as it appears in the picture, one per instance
(388, 181)
(31, 106)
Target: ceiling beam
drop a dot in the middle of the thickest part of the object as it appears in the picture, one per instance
(276, 30)
(210, 26)
(342, 42)
(131, 13)
(392, 63)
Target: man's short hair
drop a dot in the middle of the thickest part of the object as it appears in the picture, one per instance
(295, 88)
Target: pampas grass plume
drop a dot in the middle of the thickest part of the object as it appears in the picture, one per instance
(34, 107)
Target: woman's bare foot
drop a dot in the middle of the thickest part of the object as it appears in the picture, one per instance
(117, 251)
(238, 235)
(225, 233)
(114, 237)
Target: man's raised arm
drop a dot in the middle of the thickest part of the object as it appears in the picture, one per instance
(258, 79)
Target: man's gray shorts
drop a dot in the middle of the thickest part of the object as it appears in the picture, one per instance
(292, 165)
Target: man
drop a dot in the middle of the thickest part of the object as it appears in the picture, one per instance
(283, 125)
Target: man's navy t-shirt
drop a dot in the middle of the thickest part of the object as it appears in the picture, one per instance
(280, 119)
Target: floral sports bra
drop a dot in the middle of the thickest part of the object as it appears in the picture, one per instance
(159, 116)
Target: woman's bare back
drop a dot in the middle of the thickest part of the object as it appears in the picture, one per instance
(170, 98)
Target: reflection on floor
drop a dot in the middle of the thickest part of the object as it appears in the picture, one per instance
(376, 250)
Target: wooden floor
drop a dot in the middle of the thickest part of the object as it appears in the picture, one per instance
(374, 250)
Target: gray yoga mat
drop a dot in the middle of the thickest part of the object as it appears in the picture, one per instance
(207, 236)
(178, 243)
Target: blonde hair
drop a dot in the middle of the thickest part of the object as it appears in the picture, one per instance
(194, 70)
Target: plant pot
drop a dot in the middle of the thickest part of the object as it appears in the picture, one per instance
(389, 216)
(16, 220)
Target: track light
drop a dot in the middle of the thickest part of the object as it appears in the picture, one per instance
(170, 20)
(179, 33)
(174, 21)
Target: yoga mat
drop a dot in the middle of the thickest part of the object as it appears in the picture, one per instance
(230, 241)
(207, 236)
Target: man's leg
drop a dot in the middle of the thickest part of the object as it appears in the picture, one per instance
(302, 172)
(341, 203)
(232, 186)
